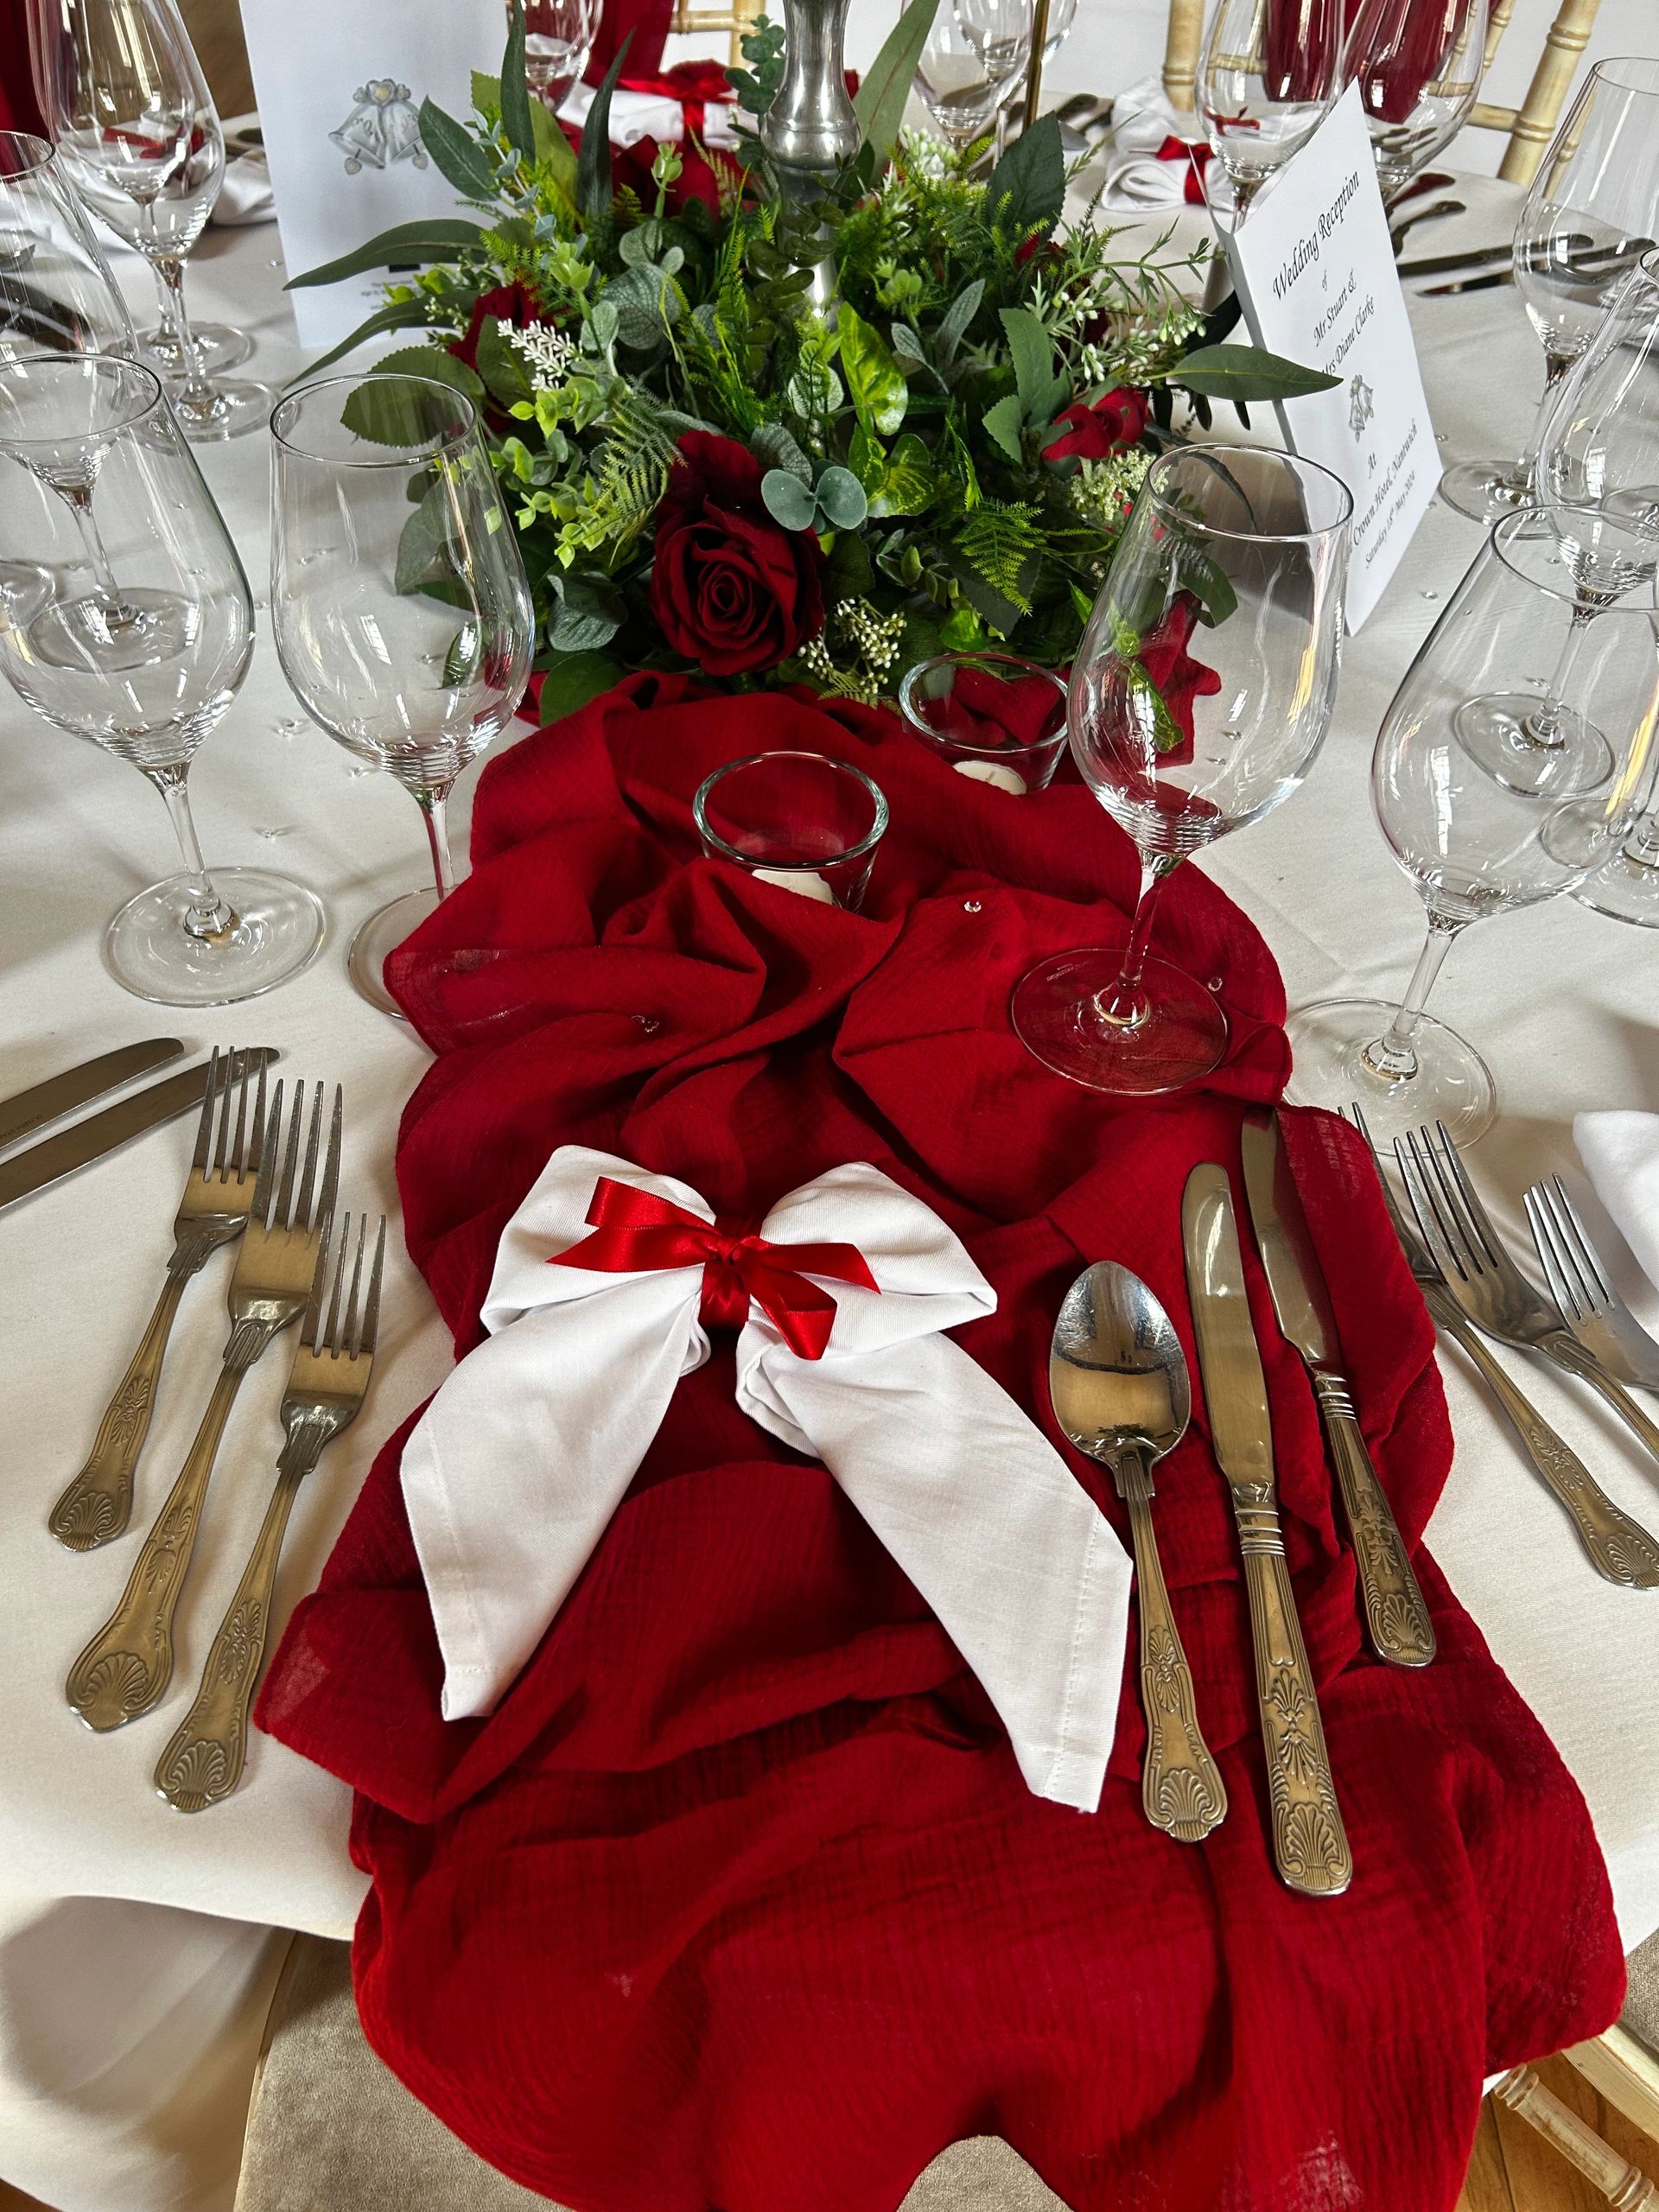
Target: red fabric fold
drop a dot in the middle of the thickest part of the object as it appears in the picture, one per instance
(737, 1901)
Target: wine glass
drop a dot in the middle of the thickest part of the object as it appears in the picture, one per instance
(56, 293)
(1184, 732)
(559, 37)
(1267, 79)
(402, 613)
(999, 33)
(1418, 64)
(132, 627)
(963, 76)
(125, 99)
(1475, 845)
(1590, 213)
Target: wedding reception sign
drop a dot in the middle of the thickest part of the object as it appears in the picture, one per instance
(340, 92)
(1315, 272)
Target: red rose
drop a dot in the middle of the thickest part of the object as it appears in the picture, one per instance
(1097, 432)
(1179, 678)
(730, 589)
(700, 178)
(514, 303)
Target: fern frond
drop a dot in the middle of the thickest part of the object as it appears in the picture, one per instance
(999, 539)
(619, 495)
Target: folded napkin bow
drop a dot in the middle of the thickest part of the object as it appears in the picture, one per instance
(604, 1282)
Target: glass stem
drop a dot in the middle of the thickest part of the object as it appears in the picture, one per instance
(79, 498)
(1125, 1005)
(434, 805)
(169, 279)
(210, 917)
(1642, 845)
(1556, 365)
(1546, 725)
(1393, 1056)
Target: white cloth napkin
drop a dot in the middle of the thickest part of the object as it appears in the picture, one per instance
(1132, 174)
(653, 115)
(246, 195)
(1620, 1152)
(520, 1460)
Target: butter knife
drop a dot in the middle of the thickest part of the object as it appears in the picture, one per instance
(49, 1161)
(61, 1094)
(1447, 265)
(1397, 1618)
(1310, 1846)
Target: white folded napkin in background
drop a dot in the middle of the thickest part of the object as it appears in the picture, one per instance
(1620, 1152)
(653, 115)
(1132, 175)
(518, 1463)
(245, 196)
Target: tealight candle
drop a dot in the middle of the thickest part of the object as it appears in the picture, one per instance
(993, 771)
(804, 880)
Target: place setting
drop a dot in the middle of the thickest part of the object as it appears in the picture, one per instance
(961, 1520)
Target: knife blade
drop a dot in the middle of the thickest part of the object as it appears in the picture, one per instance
(1468, 284)
(53, 1158)
(61, 1094)
(1397, 1618)
(1444, 265)
(1310, 1846)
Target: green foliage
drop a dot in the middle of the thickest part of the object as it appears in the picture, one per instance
(1246, 372)
(762, 47)
(885, 86)
(457, 157)
(593, 162)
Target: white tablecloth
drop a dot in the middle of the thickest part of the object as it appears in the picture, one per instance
(134, 1959)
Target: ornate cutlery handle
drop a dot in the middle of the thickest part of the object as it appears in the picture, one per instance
(1567, 1352)
(1310, 1846)
(1396, 1618)
(1180, 1786)
(97, 1504)
(1618, 1547)
(128, 1664)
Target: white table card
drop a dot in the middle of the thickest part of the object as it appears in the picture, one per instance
(339, 91)
(1314, 270)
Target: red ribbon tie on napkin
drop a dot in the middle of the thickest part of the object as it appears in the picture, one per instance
(1196, 158)
(634, 1231)
(693, 84)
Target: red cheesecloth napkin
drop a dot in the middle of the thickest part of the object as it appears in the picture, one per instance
(737, 1903)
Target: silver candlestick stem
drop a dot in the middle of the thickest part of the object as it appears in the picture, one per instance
(811, 129)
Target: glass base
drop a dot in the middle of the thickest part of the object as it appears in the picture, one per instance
(218, 348)
(1486, 490)
(1057, 1016)
(279, 931)
(227, 410)
(1328, 1044)
(1497, 730)
(382, 933)
(1627, 888)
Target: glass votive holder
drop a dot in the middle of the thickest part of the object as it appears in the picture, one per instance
(799, 820)
(995, 718)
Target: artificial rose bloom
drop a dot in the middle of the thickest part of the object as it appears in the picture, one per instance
(1096, 433)
(700, 178)
(730, 589)
(514, 303)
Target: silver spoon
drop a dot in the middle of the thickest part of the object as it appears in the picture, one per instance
(1117, 1378)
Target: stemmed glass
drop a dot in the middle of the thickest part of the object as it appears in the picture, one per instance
(969, 66)
(402, 613)
(559, 37)
(1591, 212)
(125, 99)
(1418, 64)
(999, 33)
(1180, 746)
(1268, 77)
(127, 621)
(1473, 844)
(56, 293)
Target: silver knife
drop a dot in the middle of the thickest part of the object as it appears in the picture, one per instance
(1310, 1846)
(1397, 1618)
(61, 1094)
(1444, 265)
(53, 1158)
(1467, 284)
(1572, 256)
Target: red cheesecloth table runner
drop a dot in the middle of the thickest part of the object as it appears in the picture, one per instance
(737, 1903)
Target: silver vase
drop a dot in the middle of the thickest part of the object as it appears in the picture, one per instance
(811, 129)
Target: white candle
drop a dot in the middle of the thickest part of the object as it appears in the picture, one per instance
(805, 880)
(993, 771)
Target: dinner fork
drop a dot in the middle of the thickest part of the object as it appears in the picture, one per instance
(1589, 1306)
(1484, 1280)
(214, 1208)
(326, 1386)
(128, 1664)
(1617, 1548)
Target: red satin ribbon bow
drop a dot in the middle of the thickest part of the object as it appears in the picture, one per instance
(634, 1229)
(1196, 157)
(693, 84)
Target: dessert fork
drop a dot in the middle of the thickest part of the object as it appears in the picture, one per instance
(128, 1664)
(1578, 1283)
(326, 1386)
(218, 1192)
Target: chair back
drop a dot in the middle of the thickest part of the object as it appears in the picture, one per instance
(738, 18)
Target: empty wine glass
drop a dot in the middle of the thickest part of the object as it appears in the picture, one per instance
(962, 77)
(398, 598)
(1591, 212)
(1475, 845)
(1180, 746)
(135, 129)
(1267, 79)
(133, 629)
(56, 293)
(1418, 64)
(559, 37)
(999, 33)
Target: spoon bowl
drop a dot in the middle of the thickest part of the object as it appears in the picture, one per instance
(1116, 1373)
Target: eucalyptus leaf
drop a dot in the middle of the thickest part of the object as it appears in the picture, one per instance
(771, 443)
(1026, 189)
(555, 155)
(647, 302)
(1004, 423)
(399, 314)
(885, 87)
(1032, 350)
(788, 501)
(571, 680)
(465, 649)
(876, 382)
(589, 613)
(516, 125)
(954, 322)
(456, 155)
(593, 162)
(429, 238)
(1247, 372)
(386, 411)
(841, 498)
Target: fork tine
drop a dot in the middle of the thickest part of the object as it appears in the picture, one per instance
(1447, 1179)
(329, 1339)
(239, 1154)
(270, 1145)
(220, 1155)
(204, 1126)
(347, 1344)
(1484, 1238)
(301, 1217)
(1559, 1276)
(284, 1214)
(1575, 1237)
(313, 1315)
(331, 1163)
(371, 1307)
(1410, 1156)
(257, 1134)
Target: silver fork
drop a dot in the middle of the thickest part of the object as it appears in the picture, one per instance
(1589, 1306)
(128, 1664)
(326, 1386)
(1485, 1281)
(1617, 1548)
(213, 1212)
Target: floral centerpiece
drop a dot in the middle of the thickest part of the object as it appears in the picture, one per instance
(778, 440)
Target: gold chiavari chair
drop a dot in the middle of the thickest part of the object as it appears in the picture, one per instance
(1530, 126)
(737, 19)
